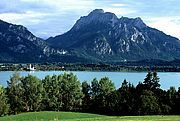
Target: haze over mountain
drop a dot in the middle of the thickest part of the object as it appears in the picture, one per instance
(98, 37)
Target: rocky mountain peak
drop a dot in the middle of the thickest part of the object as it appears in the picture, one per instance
(136, 22)
(100, 15)
(3, 22)
(8, 26)
(97, 16)
(96, 12)
(102, 35)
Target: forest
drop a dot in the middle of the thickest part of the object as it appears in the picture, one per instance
(64, 92)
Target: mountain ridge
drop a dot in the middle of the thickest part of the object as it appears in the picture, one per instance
(98, 37)
(17, 44)
(105, 37)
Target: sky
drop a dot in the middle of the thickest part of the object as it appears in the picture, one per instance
(45, 18)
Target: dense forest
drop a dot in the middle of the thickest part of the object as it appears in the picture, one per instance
(64, 92)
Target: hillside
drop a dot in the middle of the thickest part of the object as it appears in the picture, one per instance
(70, 116)
(103, 37)
(18, 44)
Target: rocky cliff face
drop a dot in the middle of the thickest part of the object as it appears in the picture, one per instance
(102, 36)
(17, 44)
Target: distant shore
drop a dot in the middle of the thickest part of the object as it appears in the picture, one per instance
(89, 67)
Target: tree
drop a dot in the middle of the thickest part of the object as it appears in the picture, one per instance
(124, 85)
(4, 106)
(152, 81)
(148, 104)
(85, 88)
(14, 93)
(177, 102)
(52, 99)
(62, 92)
(163, 101)
(127, 101)
(94, 88)
(86, 101)
(71, 92)
(94, 95)
(172, 96)
(113, 106)
(32, 93)
(106, 87)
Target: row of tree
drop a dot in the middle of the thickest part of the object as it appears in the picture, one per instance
(64, 92)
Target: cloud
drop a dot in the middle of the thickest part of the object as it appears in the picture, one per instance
(169, 25)
(28, 16)
(118, 5)
(21, 6)
(119, 11)
(44, 17)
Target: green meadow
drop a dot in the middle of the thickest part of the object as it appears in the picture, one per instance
(71, 116)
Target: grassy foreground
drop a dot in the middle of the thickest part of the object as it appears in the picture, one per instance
(70, 116)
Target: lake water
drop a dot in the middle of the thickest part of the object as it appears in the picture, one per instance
(167, 79)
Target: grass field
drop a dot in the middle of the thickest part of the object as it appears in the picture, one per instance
(70, 116)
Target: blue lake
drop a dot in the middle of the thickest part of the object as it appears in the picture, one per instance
(167, 79)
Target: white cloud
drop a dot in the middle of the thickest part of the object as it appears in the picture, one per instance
(23, 18)
(43, 17)
(63, 5)
(119, 11)
(168, 25)
(118, 5)
(30, 19)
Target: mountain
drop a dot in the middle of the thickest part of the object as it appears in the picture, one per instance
(103, 37)
(17, 44)
(98, 37)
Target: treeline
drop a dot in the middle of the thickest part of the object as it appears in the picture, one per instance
(120, 67)
(64, 92)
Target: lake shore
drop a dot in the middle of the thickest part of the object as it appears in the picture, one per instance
(89, 67)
